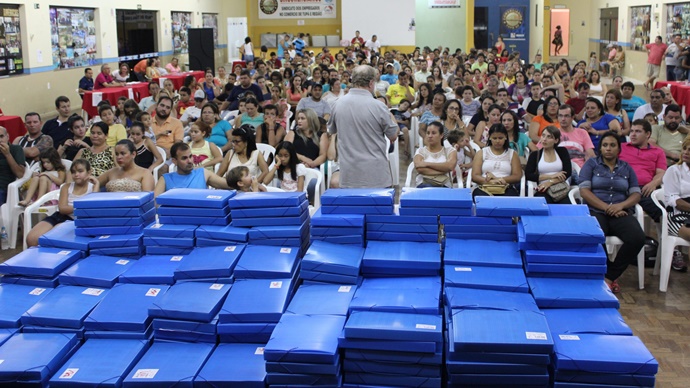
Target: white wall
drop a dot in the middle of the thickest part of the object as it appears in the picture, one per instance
(388, 19)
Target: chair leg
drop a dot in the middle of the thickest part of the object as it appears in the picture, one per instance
(640, 269)
(666, 260)
(12, 232)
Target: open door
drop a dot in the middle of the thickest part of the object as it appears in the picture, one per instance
(559, 32)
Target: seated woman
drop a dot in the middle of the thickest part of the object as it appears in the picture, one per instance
(481, 134)
(497, 165)
(100, 156)
(82, 183)
(549, 166)
(204, 153)
(251, 115)
(70, 147)
(519, 141)
(677, 196)
(609, 187)
(127, 176)
(548, 117)
(244, 153)
(147, 154)
(434, 162)
(597, 122)
(221, 131)
(311, 146)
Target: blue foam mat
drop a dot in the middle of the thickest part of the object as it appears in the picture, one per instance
(561, 229)
(194, 220)
(568, 210)
(337, 220)
(266, 262)
(436, 197)
(324, 277)
(191, 301)
(540, 380)
(204, 198)
(358, 197)
(478, 299)
(30, 281)
(398, 219)
(177, 211)
(397, 357)
(390, 346)
(95, 271)
(304, 368)
(487, 278)
(164, 250)
(65, 306)
(394, 326)
(256, 300)
(572, 293)
(184, 336)
(625, 354)
(321, 299)
(40, 262)
(344, 209)
(398, 300)
(114, 212)
(635, 380)
(381, 378)
(32, 357)
(204, 262)
(241, 364)
(422, 282)
(114, 200)
(423, 211)
(62, 236)
(474, 252)
(288, 344)
(467, 367)
(402, 254)
(565, 257)
(120, 335)
(116, 241)
(565, 270)
(15, 299)
(478, 221)
(485, 229)
(271, 211)
(410, 370)
(265, 200)
(393, 236)
(587, 321)
(357, 240)
(229, 233)
(174, 324)
(182, 242)
(110, 231)
(169, 363)
(146, 218)
(270, 221)
(335, 231)
(152, 269)
(495, 206)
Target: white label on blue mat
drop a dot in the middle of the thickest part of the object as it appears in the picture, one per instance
(214, 197)
(122, 262)
(69, 373)
(92, 291)
(344, 288)
(533, 335)
(230, 249)
(216, 286)
(64, 253)
(37, 291)
(145, 373)
(176, 258)
(156, 226)
(153, 292)
(463, 269)
(104, 237)
(569, 337)
(285, 250)
(259, 351)
(425, 326)
(277, 284)
(130, 197)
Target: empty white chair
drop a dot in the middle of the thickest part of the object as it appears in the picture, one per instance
(10, 210)
(668, 243)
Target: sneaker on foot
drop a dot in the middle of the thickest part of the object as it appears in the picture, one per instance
(678, 264)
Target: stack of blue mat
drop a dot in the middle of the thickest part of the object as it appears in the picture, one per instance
(63, 236)
(212, 235)
(277, 219)
(401, 258)
(38, 267)
(30, 359)
(168, 364)
(115, 221)
(210, 264)
(326, 262)
(169, 239)
(303, 351)
(15, 299)
(194, 207)
(188, 310)
(357, 201)
(563, 246)
(338, 228)
(233, 365)
(253, 308)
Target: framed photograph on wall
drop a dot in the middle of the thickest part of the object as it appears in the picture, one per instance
(73, 37)
(11, 61)
(676, 23)
(210, 20)
(181, 21)
(640, 26)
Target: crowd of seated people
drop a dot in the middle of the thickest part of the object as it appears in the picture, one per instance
(507, 117)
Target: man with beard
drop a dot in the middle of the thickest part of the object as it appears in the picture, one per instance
(168, 130)
(667, 135)
(186, 176)
(656, 105)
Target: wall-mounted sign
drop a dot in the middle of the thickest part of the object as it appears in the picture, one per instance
(296, 9)
(444, 3)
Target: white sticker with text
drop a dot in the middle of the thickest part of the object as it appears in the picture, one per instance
(92, 291)
(276, 284)
(285, 250)
(69, 373)
(344, 288)
(37, 291)
(425, 326)
(533, 335)
(145, 373)
(216, 286)
(153, 292)
(569, 337)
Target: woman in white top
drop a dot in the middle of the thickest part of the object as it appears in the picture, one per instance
(497, 164)
(82, 183)
(247, 50)
(677, 194)
(122, 73)
(434, 162)
(244, 153)
(596, 88)
(549, 165)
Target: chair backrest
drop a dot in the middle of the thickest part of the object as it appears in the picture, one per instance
(266, 150)
(162, 152)
(68, 164)
(574, 195)
(309, 176)
(274, 189)
(410, 172)
(659, 199)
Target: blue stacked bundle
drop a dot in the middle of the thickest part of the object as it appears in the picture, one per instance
(253, 308)
(115, 221)
(95, 271)
(338, 228)
(357, 201)
(169, 239)
(63, 236)
(109, 320)
(212, 235)
(38, 267)
(168, 364)
(326, 262)
(503, 254)
(434, 201)
(31, 358)
(189, 309)
(233, 365)
(63, 310)
(153, 269)
(194, 207)
(401, 258)
(303, 350)
(15, 299)
(210, 264)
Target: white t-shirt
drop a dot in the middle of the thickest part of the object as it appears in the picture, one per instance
(373, 46)
(434, 157)
(288, 184)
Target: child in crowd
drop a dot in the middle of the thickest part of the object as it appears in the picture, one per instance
(239, 179)
(470, 106)
(652, 118)
(204, 153)
(50, 178)
(402, 116)
(290, 172)
(145, 118)
(461, 142)
(147, 153)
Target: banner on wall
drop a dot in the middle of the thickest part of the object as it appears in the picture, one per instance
(513, 26)
(444, 3)
(296, 9)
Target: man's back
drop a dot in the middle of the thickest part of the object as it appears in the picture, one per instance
(58, 131)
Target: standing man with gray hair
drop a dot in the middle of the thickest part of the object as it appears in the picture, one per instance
(364, 126)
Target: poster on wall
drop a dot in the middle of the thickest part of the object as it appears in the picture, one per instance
(444, 3)
(73, 37)
(210, 20)
(181, 21)
(675, 22)
(513, 26)
(640, 26)
(11, 61)
(296, 9)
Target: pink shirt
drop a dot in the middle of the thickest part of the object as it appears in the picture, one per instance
(576, 142)
(644, 161)
(656, 53)
(102, 79)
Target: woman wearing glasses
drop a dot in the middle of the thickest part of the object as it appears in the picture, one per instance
(244, 153)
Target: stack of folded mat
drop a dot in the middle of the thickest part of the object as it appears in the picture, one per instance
(187, 312)
(30, 359)
(194, 207)
(38, 267)
(214, 235)
(167, 364)
(63, 236)
(169, 239)
(327, 262)
(114, 221)
(275, 218)
(346, 229)
(15, 299)
(357, 201)
(401, 258)
(214, 264)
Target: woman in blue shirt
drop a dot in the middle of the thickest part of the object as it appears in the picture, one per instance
(609, 187)
(221, 130)
(597, 122)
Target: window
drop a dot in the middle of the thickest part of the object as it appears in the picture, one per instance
(181, 21)
(640, 23)
(11, 61)
(211, 21)
(73, 37)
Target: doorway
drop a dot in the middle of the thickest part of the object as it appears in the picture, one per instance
(136, 35)
(608, 23)
(560, 21)
(481, 27)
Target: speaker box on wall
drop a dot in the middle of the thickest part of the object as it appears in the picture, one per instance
(201, 48)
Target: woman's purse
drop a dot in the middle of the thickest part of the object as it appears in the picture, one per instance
(558, 191)
(436, 180)
(493, 188)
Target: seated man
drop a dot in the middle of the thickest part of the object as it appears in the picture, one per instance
(11, 163)
(186, 176)
(34, 142)
(321, 107)
(668, 136)
(86, 82)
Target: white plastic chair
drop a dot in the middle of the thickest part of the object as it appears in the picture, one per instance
(288, 121)
(311, 175)
(470, 184)
(161, 151)
(10, 210)
(267, 150)
(613, 242)
(411, 173)
(274, 189)
(414, 128)
(668, 243)
(39, 207)
(394, 161)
